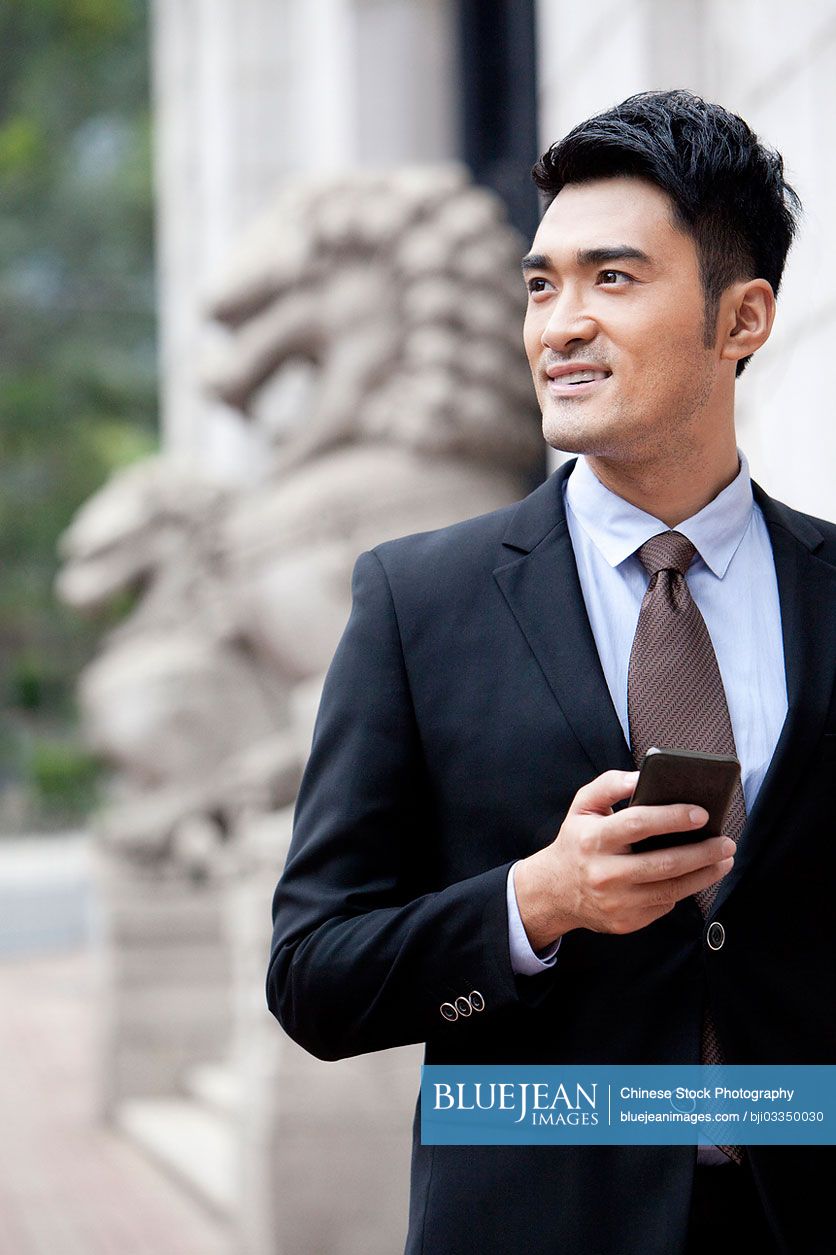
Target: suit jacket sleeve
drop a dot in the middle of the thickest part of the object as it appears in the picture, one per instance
(365, 947)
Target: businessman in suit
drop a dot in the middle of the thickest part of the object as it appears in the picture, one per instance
(462, 871)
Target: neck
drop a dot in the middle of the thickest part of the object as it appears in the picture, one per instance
(671, 488)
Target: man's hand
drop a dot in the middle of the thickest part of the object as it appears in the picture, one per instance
(589, 878)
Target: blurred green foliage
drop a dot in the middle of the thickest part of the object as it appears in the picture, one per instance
(64, 778)
(77, 342)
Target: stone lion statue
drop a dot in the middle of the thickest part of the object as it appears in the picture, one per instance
(373, 340)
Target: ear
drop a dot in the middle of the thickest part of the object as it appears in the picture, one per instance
(746, 318)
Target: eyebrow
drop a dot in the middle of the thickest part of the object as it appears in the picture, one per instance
(589, 257)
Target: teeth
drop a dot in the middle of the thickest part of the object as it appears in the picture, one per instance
(582, 376)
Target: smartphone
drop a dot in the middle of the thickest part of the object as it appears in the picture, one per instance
(673, 776)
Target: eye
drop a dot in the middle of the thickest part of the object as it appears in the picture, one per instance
(536, 285)
(613, 277)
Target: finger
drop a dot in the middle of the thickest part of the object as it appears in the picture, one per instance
(668, 892)
(679, 860)
(598, 796)
(637, 822)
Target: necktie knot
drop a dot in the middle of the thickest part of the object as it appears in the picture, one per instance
(669, 551)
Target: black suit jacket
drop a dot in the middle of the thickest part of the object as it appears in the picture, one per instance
(465, 706)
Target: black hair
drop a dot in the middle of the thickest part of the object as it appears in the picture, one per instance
(727, 189)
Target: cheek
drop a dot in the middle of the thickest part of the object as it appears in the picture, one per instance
(532, 331)
(534, 349)
(673, 369)
(668, 343)
(682, 320)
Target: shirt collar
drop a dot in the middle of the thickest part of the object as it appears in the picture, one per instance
(617, 528)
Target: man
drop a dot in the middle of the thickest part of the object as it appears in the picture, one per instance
(459, 834)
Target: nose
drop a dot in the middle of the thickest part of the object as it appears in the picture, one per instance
(568, 323)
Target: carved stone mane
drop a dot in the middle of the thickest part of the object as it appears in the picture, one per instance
(399, 297)
(403, 292)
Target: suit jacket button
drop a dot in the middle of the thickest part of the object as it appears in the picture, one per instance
(476, 1000)
(463, 1006)
(716, 935)
(448, 1011)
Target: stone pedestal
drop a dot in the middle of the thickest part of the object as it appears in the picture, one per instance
(166, 980)
(325, 1147)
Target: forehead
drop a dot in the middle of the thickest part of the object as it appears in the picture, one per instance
(620, 210)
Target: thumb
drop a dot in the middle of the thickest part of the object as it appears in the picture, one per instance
(597, 797)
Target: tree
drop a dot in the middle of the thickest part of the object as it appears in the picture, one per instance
(77, 349)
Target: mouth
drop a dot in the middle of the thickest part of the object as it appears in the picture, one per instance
(578, 382)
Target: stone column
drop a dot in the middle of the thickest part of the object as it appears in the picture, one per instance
(245, 94)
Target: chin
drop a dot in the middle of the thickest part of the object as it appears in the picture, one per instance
(571, 437)
(608, 435)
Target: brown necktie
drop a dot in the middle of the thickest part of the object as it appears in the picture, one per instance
(675, 695)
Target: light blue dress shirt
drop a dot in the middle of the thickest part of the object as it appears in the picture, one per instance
(731, 579)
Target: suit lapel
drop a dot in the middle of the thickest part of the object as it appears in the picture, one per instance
(807, 596)
(543, 591)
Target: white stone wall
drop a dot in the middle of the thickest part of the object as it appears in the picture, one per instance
(775, 64)
(247, 92)
(220, 79)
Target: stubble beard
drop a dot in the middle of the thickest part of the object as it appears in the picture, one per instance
(618, 433)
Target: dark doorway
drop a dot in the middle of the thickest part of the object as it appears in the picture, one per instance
(498, 109)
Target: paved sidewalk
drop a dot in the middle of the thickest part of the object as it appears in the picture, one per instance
(69, 1186)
